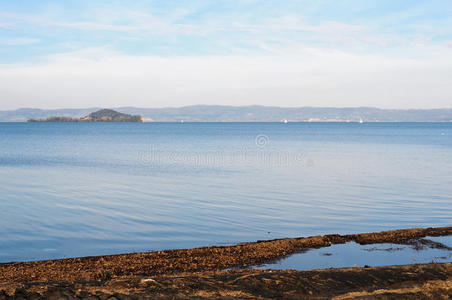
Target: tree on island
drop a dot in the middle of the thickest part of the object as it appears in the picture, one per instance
(103, 115)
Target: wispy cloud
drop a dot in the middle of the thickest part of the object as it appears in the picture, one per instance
(19, 41)
(6, 25)
(135, 22)
(205, 30)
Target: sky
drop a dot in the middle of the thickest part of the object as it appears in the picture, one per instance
(336, 53)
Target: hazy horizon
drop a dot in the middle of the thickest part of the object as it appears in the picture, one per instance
(223, 105)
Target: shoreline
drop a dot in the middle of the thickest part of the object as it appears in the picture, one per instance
(426, 281)
(232, 122)
(24, 277)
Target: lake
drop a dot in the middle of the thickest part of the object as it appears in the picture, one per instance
(78, 189)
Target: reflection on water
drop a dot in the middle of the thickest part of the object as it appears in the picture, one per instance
(89, 189)
(352, 254)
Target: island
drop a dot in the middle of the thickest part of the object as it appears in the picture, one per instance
(103, 115)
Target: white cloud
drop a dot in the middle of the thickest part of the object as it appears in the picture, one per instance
(242, 31)
(131, 21)
(6, 25)
(19, 41)
(303, 76)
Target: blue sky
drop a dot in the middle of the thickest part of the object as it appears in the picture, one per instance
(172, 53)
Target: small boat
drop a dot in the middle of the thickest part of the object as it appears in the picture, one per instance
(285, 121)
(361, 120)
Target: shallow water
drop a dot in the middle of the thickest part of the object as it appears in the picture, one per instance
(77, 189)
(352, 254)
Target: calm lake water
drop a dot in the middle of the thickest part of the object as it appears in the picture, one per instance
(352, 254)
(77, 189)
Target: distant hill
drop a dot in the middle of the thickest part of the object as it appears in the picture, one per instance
(103, 115)
(217, 113)
(109, 115)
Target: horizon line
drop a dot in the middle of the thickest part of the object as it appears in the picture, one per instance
(222, 105)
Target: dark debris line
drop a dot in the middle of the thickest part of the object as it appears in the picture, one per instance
(200, 259)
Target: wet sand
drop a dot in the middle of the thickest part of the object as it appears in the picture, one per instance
(197, 273)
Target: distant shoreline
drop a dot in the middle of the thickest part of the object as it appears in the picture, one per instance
(217, 113)
(251, 122)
